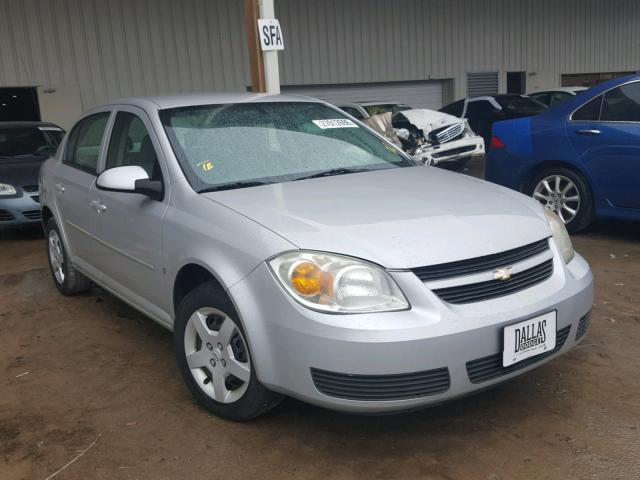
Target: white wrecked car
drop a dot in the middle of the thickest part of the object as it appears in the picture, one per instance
(433, 138)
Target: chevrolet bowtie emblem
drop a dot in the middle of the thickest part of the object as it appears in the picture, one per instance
(502, 273)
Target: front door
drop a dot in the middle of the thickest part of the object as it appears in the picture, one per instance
(131, 223)
(606, 134)
(74, 183)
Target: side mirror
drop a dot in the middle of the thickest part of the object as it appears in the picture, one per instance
(130, 179)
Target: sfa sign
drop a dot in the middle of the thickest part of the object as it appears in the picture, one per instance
(270, 34)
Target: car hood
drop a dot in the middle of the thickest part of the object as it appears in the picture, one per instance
(398, 218)
(20, 172)
(428, 120)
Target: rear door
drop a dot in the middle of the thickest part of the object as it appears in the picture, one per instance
(605, 133)
(74, 182)
(131, 223)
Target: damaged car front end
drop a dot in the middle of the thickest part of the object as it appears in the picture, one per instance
(432, 138)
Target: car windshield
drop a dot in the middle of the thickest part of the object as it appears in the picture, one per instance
(29, 142)
(229, 146)
(386, 107)
(520, 104)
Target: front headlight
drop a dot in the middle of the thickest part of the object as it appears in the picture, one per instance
(337, 284)
(6, 189)
(560, 235)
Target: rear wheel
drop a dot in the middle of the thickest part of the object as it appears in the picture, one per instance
(214, 359)
(67, 279)
(567, 194)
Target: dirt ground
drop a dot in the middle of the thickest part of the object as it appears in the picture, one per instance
(85, 369)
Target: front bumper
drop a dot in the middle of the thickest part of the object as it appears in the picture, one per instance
(291, 344)
(17, 211)
(467, 147)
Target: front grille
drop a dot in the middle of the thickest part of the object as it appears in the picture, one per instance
(488, 368)
(476, 292)
(30, 188)
(447, 134)
(381, 387)
(583, 326)
(454, 151)
(5, 216)
(32, 214)
(481, 264)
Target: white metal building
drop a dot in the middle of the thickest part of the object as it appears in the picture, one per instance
(72, 54)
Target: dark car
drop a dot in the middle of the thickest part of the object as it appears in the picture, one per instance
(581, 158)
(483, 112)
(24, 146)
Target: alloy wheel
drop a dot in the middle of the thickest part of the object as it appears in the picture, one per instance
(56, 256)
(217, 355)
(560, 194)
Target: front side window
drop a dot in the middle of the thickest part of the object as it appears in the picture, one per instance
(28, 142)
(237, 145)
(622, 104)
(84, 142)
(559, 97)
(130, 144)
(590, 111)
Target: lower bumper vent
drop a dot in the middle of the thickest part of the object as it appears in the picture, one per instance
(381, 387)
(583, 326)
(488, 368)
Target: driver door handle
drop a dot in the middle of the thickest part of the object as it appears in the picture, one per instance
(59, 188)
(98, 206)
(589, 131)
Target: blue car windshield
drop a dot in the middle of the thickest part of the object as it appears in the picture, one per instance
(29, 142)
(220, 147)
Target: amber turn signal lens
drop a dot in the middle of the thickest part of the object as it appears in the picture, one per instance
(308, 280)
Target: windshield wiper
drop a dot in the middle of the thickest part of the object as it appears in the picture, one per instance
(231, 186)
(335, 171)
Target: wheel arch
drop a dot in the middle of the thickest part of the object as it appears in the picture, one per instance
(190, 276)
(547, 164)
(47, 214)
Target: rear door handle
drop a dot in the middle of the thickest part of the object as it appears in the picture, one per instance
(589, 132)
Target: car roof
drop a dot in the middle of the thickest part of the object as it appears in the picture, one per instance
(184, 100)
(25, 124)
(372, 102)
(560, 89)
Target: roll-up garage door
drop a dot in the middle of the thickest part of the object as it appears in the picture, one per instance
(424, 94)
(482, 83)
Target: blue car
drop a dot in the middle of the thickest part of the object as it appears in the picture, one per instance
(580, 158)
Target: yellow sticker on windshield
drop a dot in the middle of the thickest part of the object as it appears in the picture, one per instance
(206, 166)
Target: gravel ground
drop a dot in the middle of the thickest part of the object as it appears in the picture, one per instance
(85, 369)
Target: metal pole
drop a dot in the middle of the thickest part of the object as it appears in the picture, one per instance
(270, 58)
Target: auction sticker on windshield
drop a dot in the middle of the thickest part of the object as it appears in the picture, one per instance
(529, 338)
(335, 123)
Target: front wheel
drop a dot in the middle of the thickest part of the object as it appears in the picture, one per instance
(567, 194)
(214, 359)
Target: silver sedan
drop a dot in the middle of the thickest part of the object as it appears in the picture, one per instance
(293, 251)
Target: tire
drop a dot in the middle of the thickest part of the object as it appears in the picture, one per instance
(563, 203)
(67, 279)
(208, 325)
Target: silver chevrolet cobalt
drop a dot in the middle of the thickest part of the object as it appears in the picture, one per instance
(295, 252)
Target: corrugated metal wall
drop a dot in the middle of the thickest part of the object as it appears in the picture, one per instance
(113, 48)
(335, 41)
(117, 48)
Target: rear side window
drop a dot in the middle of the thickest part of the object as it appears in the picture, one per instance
(84, 143)
(589, 111)
(622, 104)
